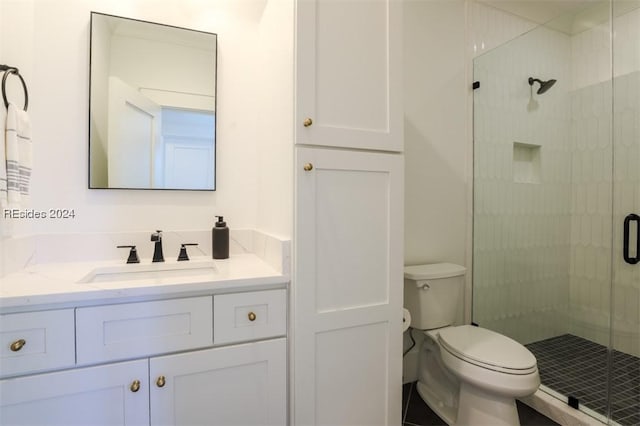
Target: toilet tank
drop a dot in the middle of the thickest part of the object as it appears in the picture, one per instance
(432, 294)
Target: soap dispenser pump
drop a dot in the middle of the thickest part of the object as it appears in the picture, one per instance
(220, 239)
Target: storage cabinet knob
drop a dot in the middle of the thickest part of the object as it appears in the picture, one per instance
(252, 316)
(161, 381)
(308, 167)
(307, 122)
(135, 386)
(17, 345)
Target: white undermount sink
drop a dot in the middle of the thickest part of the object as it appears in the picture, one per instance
(149, 271)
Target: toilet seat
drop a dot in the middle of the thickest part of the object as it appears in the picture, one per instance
(487, 349)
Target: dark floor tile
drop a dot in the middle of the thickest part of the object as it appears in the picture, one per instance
(575, 366)
(418, 412)
(530, 417)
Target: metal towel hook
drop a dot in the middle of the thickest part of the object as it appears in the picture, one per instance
(13, 70)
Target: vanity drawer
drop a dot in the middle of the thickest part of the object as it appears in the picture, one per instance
(130, 330)
(249, 316)
(35, 341)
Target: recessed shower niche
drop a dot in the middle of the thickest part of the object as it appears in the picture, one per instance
(526, 163)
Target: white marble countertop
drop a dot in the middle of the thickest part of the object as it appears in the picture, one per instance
(58, 285)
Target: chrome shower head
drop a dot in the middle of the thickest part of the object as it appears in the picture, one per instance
(544, 85)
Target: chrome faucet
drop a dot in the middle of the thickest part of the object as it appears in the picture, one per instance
(157, 250)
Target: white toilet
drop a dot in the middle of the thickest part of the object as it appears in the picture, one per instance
(468, 375)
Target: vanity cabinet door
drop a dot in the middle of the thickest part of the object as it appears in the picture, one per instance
(240, 385)
(348, 288)
(349, 74)
(108, 395)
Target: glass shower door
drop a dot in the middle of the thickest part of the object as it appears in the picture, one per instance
(624, 398)
(556, 250)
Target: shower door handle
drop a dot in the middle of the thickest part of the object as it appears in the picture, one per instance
(625, 249)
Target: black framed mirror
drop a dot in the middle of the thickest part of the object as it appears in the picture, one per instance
(152, 106)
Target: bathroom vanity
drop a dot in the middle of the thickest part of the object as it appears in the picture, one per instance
(101, 344)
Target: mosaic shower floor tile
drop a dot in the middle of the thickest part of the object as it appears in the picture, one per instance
(577, 367)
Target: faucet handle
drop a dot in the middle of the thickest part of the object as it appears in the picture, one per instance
(133, 254)
(183, 251)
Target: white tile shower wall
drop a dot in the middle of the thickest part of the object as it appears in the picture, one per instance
(491, 27)
(521, 230)
(591, 56)
(590, 271)
(591, 240)
(626, 41)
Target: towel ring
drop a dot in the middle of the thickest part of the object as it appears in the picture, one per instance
(4, 90)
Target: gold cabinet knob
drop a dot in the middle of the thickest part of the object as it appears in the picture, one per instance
(307, 122)
(135, 386)
(17, 345)
(308, 167)
(161, 381)
(252, 316)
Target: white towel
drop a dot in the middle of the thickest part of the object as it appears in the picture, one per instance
(18, 156)
(3, 161)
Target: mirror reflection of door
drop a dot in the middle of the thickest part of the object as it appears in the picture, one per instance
(188, 152)
(152, 106)
(134, 136)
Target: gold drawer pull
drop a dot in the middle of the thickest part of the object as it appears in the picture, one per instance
(135, 386)
(307, 122)
(252, 316)
(308, 167)
(161, 381)
(17, 345)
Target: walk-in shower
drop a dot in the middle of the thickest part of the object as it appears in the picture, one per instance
(556, 194)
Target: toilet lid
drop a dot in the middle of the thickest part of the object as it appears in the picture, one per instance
(433, 271)
(487, 349)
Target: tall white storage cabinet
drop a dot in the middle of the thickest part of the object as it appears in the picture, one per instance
(347, 290)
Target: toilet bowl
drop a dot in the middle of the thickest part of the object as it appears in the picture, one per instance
(468, 375)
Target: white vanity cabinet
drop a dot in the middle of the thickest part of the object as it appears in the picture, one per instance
(156, 363)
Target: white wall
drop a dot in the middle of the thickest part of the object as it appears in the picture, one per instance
(436, 147)
(274, 138)
(436, 91)
(49, 42)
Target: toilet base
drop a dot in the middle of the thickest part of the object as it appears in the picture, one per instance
(436, 403)
(477, 407)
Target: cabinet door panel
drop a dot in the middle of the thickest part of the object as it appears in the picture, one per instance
(348, 73)
(348, 288)
(127, 330)
(87, 396)
(240, 385)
